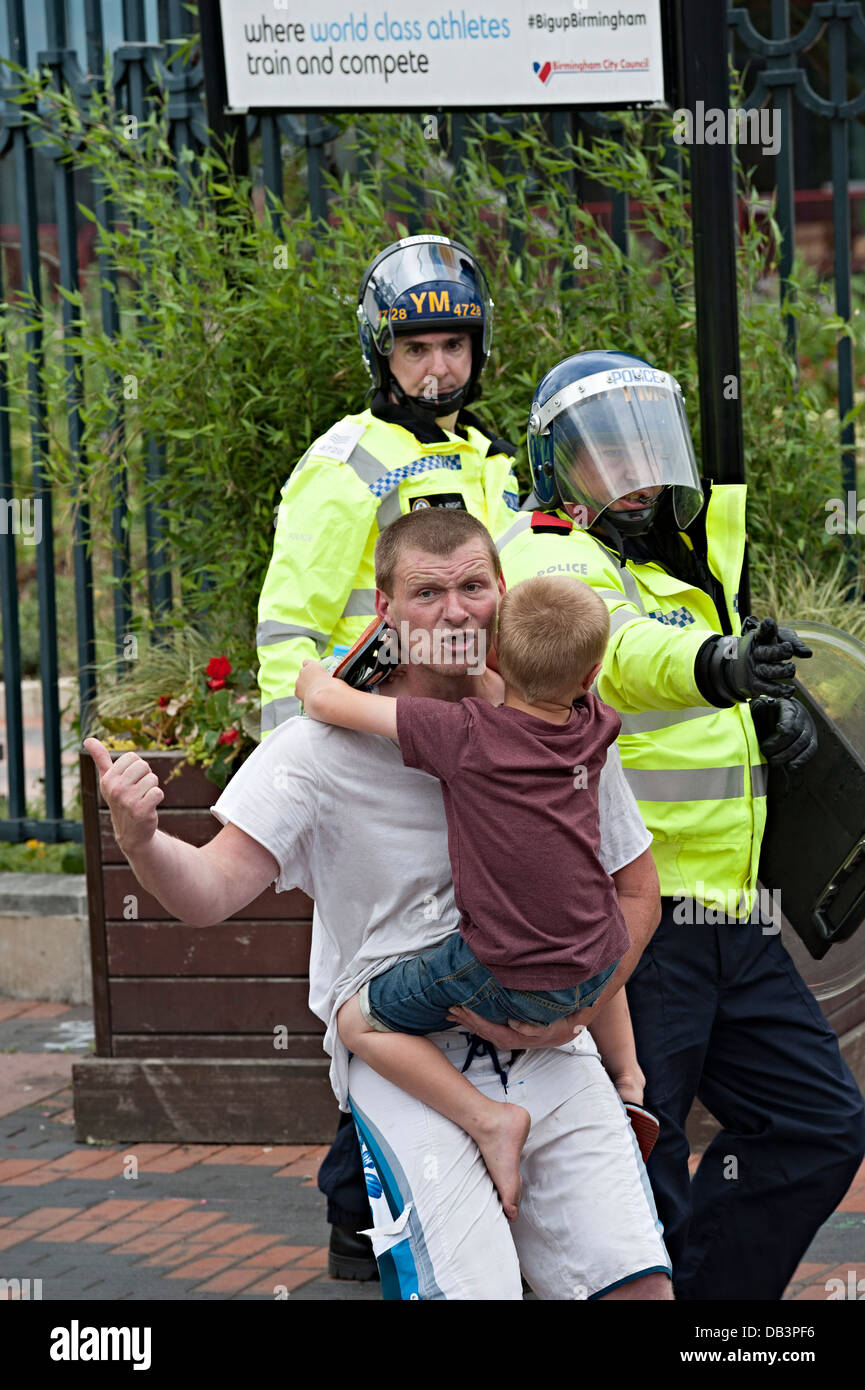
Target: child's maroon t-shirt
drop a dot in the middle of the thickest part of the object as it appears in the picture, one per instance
(538, 908)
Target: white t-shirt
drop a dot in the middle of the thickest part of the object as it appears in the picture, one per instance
(366, 838)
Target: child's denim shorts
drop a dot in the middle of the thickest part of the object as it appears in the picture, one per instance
(414, 996)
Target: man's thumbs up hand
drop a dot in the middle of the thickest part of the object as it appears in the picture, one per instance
(132, 792)
(99, 753)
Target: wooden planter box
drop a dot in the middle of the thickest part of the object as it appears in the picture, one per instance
(187, 1018)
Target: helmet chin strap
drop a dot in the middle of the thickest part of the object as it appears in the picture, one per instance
(630, 523)
(429, 409)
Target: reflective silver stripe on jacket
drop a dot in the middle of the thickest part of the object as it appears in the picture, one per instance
(629, 583)
(301, 461)
(361, 604)
(271, 631)
(275, 712)
(615, 594)
(630, 586)
(389, 509)
(522, 521)
(385, 482)
(631, 596)
(622, 614)
(759, 779)
(695, 784)
(653, 720)
(367, 467)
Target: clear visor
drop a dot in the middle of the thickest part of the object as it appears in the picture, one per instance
(412, 265)
(608, 442)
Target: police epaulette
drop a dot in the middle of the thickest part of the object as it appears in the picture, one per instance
(547, 523)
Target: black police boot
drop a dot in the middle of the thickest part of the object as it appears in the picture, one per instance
(350, 1255)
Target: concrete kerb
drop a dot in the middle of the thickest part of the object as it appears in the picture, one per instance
(44, 937)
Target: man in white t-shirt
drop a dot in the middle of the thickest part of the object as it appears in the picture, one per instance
(337, 814)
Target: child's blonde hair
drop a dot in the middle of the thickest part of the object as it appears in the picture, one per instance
(552, 630)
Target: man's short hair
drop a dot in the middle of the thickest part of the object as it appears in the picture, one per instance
(437, 530)
(552, 630)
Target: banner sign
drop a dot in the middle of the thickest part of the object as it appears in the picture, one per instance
(492, 54)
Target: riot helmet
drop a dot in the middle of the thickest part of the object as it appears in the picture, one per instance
(604, 425)
(423, 284)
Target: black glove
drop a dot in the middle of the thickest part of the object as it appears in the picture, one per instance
(785, 732)
(759, 662)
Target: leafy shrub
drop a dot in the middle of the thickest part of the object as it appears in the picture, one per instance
(238, 342)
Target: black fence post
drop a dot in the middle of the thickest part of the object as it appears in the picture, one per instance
(64, 197)
(316, 137)
(271, 160)
(840, 148)
(228, 130)
(13, 753)
(173, 21)
(103, 208)
(42, 508)
(562, 137)
(158, 573)
(783, 97)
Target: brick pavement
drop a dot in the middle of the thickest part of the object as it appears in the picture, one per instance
(159, 1221)
(204, 1221)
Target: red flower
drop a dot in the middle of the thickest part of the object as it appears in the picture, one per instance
(216, 685)
(219, 666)
(228, 736)
(163, 701)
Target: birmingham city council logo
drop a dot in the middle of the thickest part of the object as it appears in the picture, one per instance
(544, 71)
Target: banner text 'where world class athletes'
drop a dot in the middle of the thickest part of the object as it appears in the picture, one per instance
(357, 29)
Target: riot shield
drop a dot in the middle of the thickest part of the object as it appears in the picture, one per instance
(813, 850)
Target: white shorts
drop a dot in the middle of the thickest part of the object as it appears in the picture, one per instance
(587, 1221)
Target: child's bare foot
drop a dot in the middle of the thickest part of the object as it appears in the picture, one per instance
(500, 1140)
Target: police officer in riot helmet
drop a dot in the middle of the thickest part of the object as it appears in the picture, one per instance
(620, 462)
(718, 1008)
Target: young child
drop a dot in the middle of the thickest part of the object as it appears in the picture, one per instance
(540, 930)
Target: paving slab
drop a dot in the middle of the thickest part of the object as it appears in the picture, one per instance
(27, 1076)
(204, 1222)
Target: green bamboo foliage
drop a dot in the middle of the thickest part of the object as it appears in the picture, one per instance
(239, 345)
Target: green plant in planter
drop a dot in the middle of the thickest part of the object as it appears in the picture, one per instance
(180, 697)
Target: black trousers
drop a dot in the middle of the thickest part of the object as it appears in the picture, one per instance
(341, 1179)
(720, 1012)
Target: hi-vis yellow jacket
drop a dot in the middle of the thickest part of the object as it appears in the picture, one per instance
(351, 483)
(696, 771)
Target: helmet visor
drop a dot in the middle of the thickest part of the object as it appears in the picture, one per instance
(426, 283)
(620, 432)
